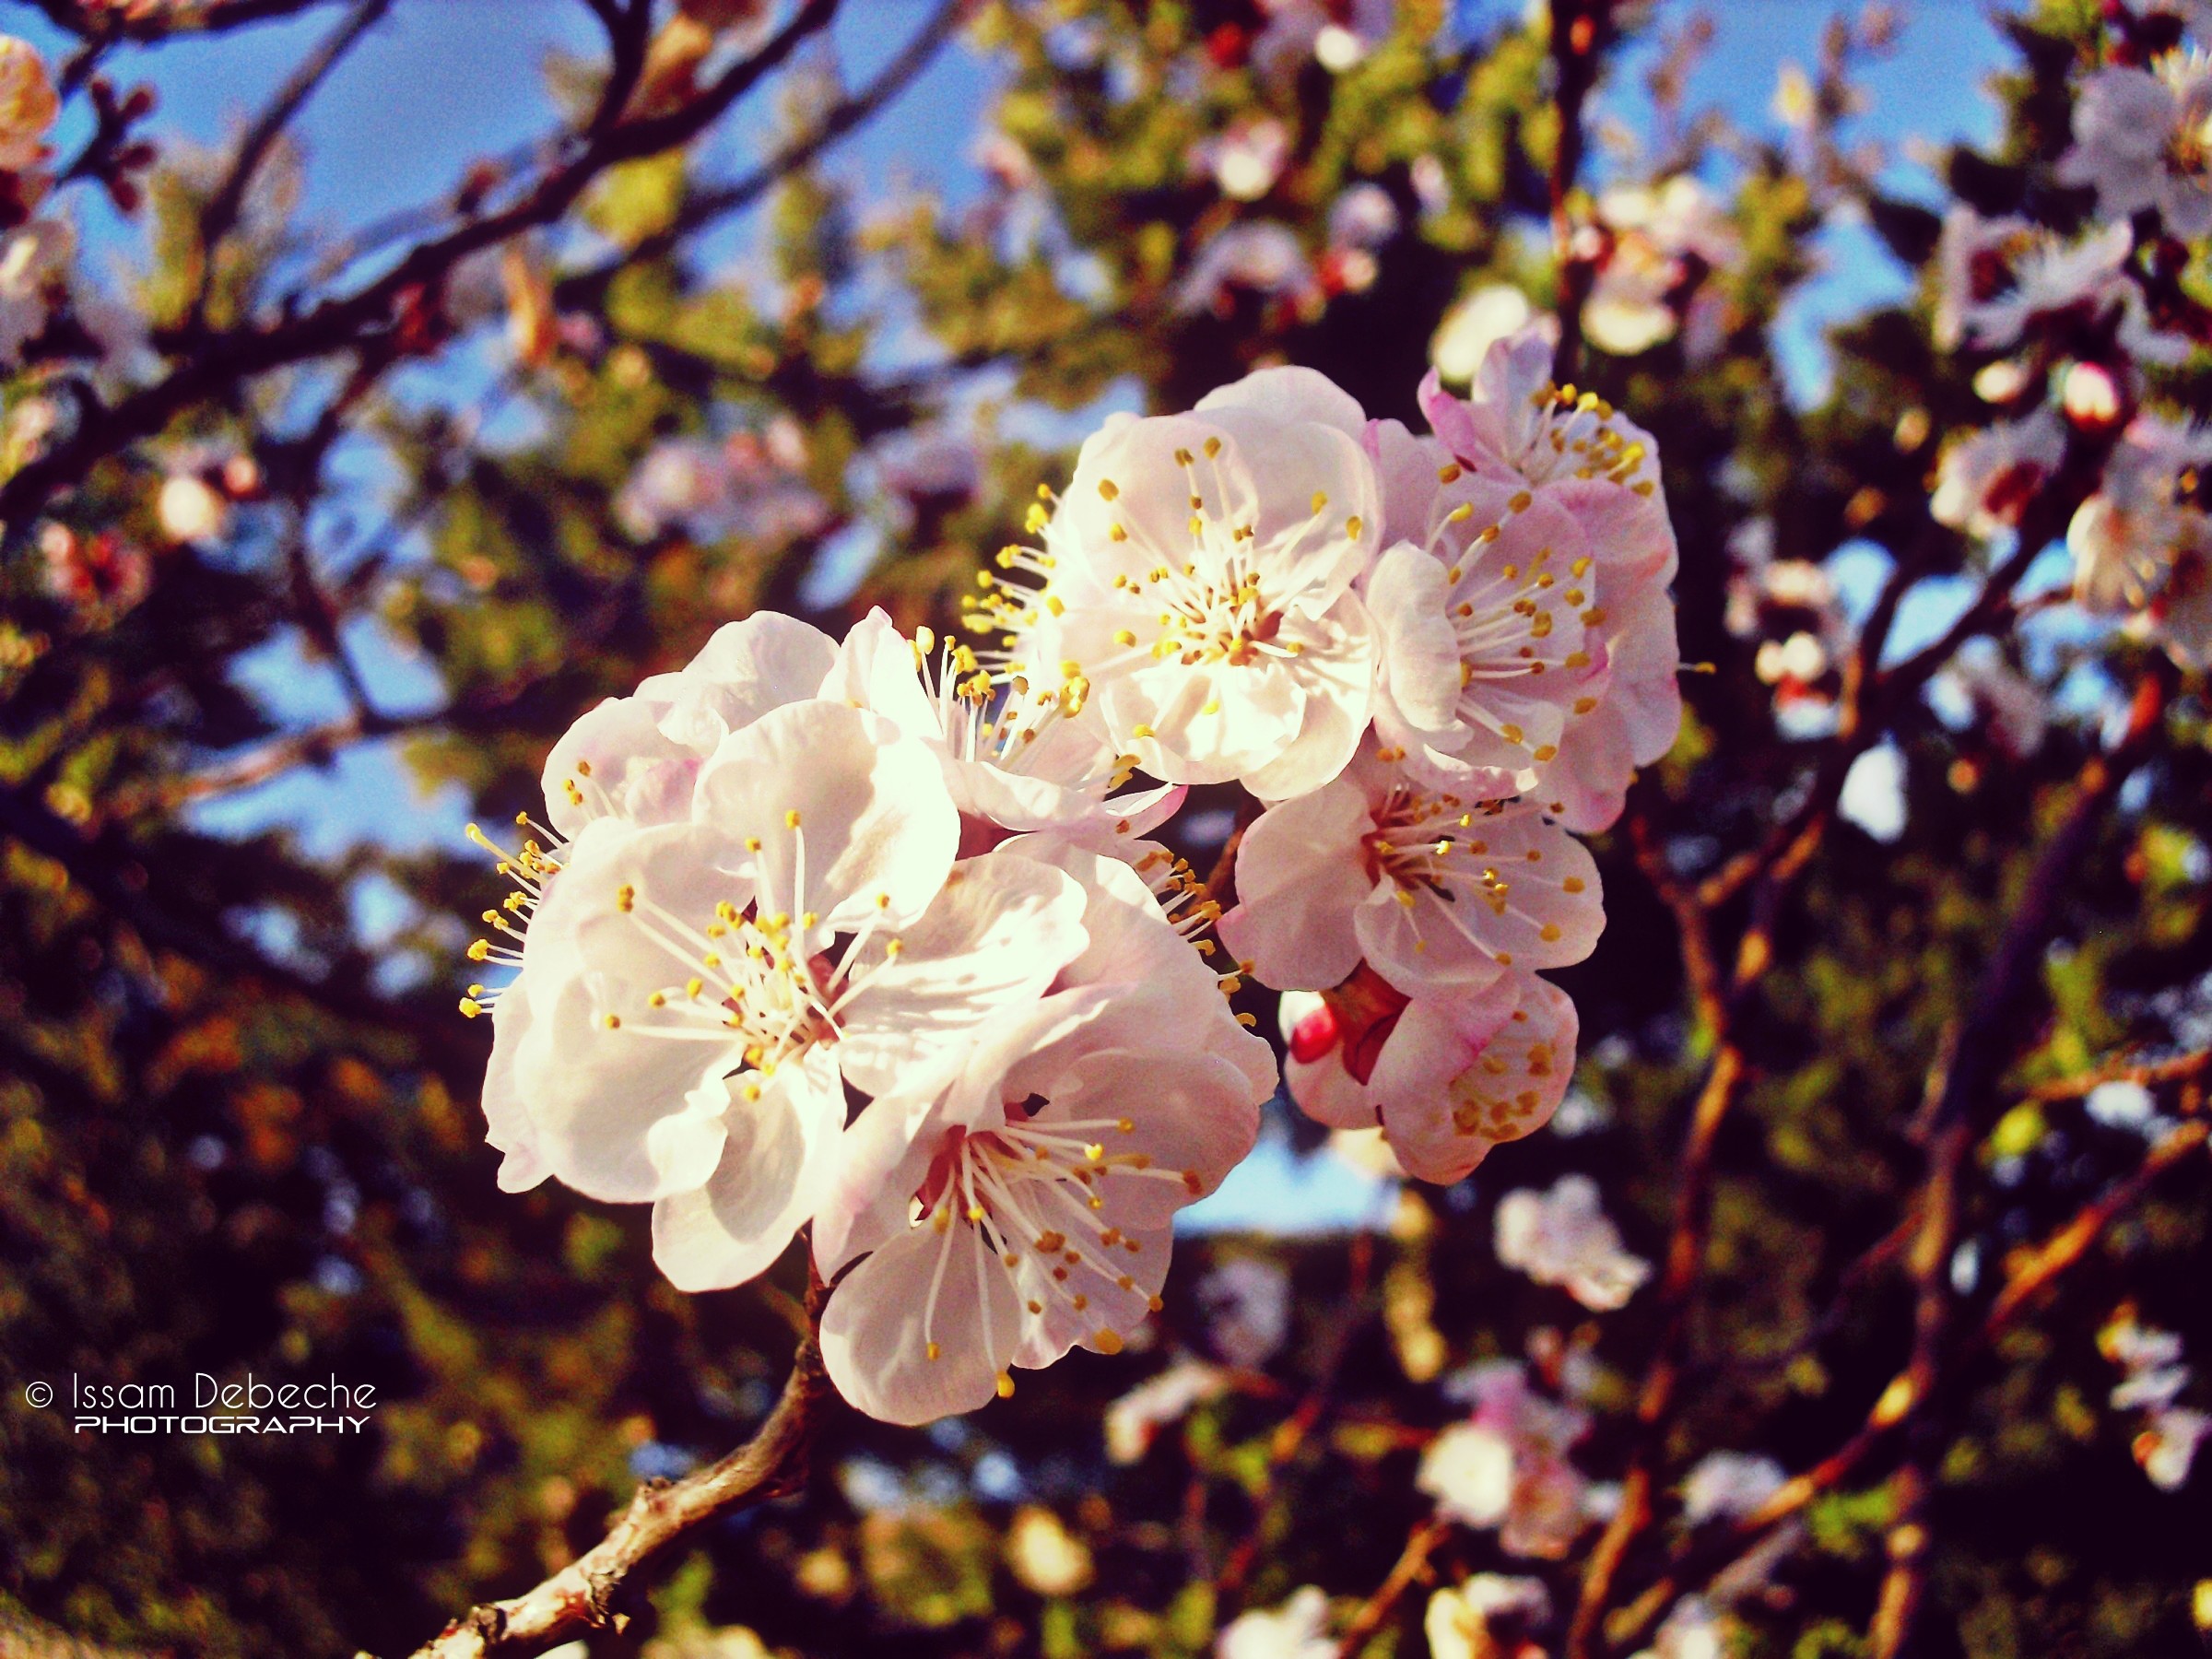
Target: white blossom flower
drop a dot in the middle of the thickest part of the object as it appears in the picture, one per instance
(1985, 481)
(1485, 608)
(1562, 1237)
(1472, 1620)
(191, 509)
(2167, 1447)
(1198, 587)
(1434, 890)
(1247, 1304)
(1730, 1484)
(1246, 159)
(1444, 1077)
(1662, 241)
(2143, 138)
(1337, 34)
(1297, 1630)
(28, 105)
(2142, 547)
(1362, 215)
(685, 1012)
(1134, 1420)
(1021, 1202)
(1507, 1466)
(1581, 453)
(2011, 708)
(748, 485)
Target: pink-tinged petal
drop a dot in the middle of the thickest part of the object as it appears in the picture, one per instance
(1291, 393)
(1408, 468)
(1192, 1120)
(1325, 1092)
(1339, 668)
(1168, 999)
(1628, 534)
(1420, 943)
(1408, 595)
(776, 1164)
(1300, 877)
(1204, 724)
(1469, 431)
(924, 1286)
(1460, 1074)
(839, 799)
(1116, 1283)
(1588, 788)
(995, 937)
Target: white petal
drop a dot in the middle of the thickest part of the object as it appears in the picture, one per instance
(882, 1317)
(1291, 393)
(1300, 877)
(1407, 595)
(506, 1112)
(835, 795)
(1337, 675)
(775, 1164)
(998, 932)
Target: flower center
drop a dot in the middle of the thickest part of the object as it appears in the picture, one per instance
(1031, 1195)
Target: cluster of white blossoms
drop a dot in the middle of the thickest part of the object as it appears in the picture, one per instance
(2074, 318)
(867, 937)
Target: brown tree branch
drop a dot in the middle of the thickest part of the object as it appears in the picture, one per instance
(581, 1596)
(1411, 1569)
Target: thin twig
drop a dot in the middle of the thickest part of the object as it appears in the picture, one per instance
(581, 1596)
(1411, 1568)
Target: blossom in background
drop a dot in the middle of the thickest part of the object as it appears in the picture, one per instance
(1691, 1630)
(1729, 1484)
(1479, 321)
(1045, 1557)
(1998, 279)
(34, 273)
(2142, 545)
(1258, 257)
(1444, 1077)
(1434, 890)
(1507, 1466)
(189, 509)
(1198, 581)
(750, 485)
(1660, 242)
(1361, 219)
(1562, 1237)
(1985, 480)
(28, 105)
(1247, 1304)
(96, 576)
(2012, 709)
(2154, 1376)
(1246, 159)
(2143, 138)
(1790, 607)
(1486, 1618)
(1296, 1630)
(1336, 34)
(1134, 1420)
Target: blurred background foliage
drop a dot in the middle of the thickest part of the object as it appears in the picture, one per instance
(237, 1117)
